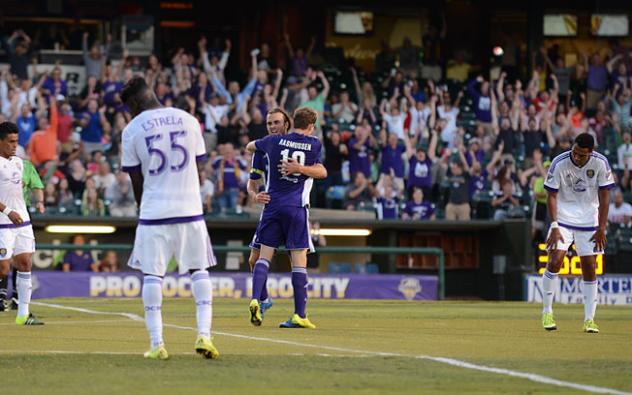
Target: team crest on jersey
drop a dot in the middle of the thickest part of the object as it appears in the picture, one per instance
(3, 251)
(590, 173)
(409, 287)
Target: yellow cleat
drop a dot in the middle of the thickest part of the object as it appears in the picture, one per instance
(297, 322)
(205, 347)
(28, 320)
(255, 313)
(590, 327)
(157, 353)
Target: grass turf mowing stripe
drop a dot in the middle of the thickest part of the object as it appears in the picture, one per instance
(449, 361)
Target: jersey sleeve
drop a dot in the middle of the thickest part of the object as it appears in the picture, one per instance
(31, 179)
(130, 161)
(605, 177)
(552, 183)
(257, 169)
(200, 147)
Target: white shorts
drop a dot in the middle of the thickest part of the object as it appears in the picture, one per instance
(583, 245)
(16, 241)
(155, 245)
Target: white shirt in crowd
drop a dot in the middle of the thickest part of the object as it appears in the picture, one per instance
(213, 115)
(447, 134)
(624, 154)
(617, 215)
(395, 124)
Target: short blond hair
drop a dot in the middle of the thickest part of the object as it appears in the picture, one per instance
(303, 117)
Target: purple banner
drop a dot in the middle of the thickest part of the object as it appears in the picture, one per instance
(48, 284)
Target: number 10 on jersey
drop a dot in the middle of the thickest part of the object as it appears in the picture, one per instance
(298, 156)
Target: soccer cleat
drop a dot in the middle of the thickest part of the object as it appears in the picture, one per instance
(255, 313)
(548, 322)
(159, 352)
(265, 306)
(28, 320)
(4, 305)
(14, 304)
(297, 322)
(590, 326)
(205, 347)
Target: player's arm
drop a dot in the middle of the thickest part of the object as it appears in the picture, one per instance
(11, 213)
(291, 166)
(253, 192)
(137, 185)
(604, 204)
(556, 235)
(251, 147)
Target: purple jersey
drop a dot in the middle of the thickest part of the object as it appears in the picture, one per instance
(110, 89)
(392, 160)
(423, 210)
(419, 174)
(359, 159)
(294, 189)
(228, 172)
(387, 208)
(476, 184)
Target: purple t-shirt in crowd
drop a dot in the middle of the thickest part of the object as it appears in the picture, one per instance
(387, 208)
(597, 77)
(228, 173)
(111, 88)
(423, 210)
(419, 174)
(359, 159)
(79, 263)
(476, 184)
(392, 159)
(482, 104)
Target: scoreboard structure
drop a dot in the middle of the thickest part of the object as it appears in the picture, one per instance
(572, 265)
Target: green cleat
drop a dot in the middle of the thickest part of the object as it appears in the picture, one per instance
(548, 322)
(204, 346)
(255, 313)
(159, 352)
(590, 326)
(28, 320)
(297, 322)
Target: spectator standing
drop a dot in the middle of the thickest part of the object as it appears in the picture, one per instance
(228, 169)
(121, 196)
(620, 212)
(417, 208)
(78, 260)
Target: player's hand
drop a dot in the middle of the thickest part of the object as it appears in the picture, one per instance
(262, 198)
(15, 218)
(40, 207)
(289, 166)
(554, 238)
(600, 239)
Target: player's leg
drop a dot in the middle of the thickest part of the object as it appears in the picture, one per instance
(259, 280)
(14, 293)
(23, 251)
(298, 240)
(4, 283)
(194, 254)
(588, 258)
(265, 301)
(24, 286)
(150, 255)
(550, 277)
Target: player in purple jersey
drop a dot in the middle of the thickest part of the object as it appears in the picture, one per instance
(284, 221)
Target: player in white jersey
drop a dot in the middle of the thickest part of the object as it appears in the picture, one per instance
(16, 233)
(160, 150)
(578, 185)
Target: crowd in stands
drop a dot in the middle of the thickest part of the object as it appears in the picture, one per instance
(403, 142)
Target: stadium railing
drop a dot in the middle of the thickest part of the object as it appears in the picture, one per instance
(322, 250)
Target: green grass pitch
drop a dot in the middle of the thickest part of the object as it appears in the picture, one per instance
(363, 347)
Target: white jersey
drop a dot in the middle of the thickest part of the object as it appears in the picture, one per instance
(165, 144)
(11, 189)
(577, 189)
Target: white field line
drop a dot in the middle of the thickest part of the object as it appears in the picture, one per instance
(71, 322)
(448, 361)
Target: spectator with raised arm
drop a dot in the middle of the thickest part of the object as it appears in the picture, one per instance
(19, 49)
(95, 57)
(44, 145)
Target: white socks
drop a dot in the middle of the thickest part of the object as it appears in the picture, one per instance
(590, 299)
(152, 299)
(549, 284)
(25, 288)
(203, 294)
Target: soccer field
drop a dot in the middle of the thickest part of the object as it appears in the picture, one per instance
(367, 347)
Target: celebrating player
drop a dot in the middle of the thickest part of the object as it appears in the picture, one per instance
(285, 218)
(16, 233)
(160, 148)
(578, 185)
